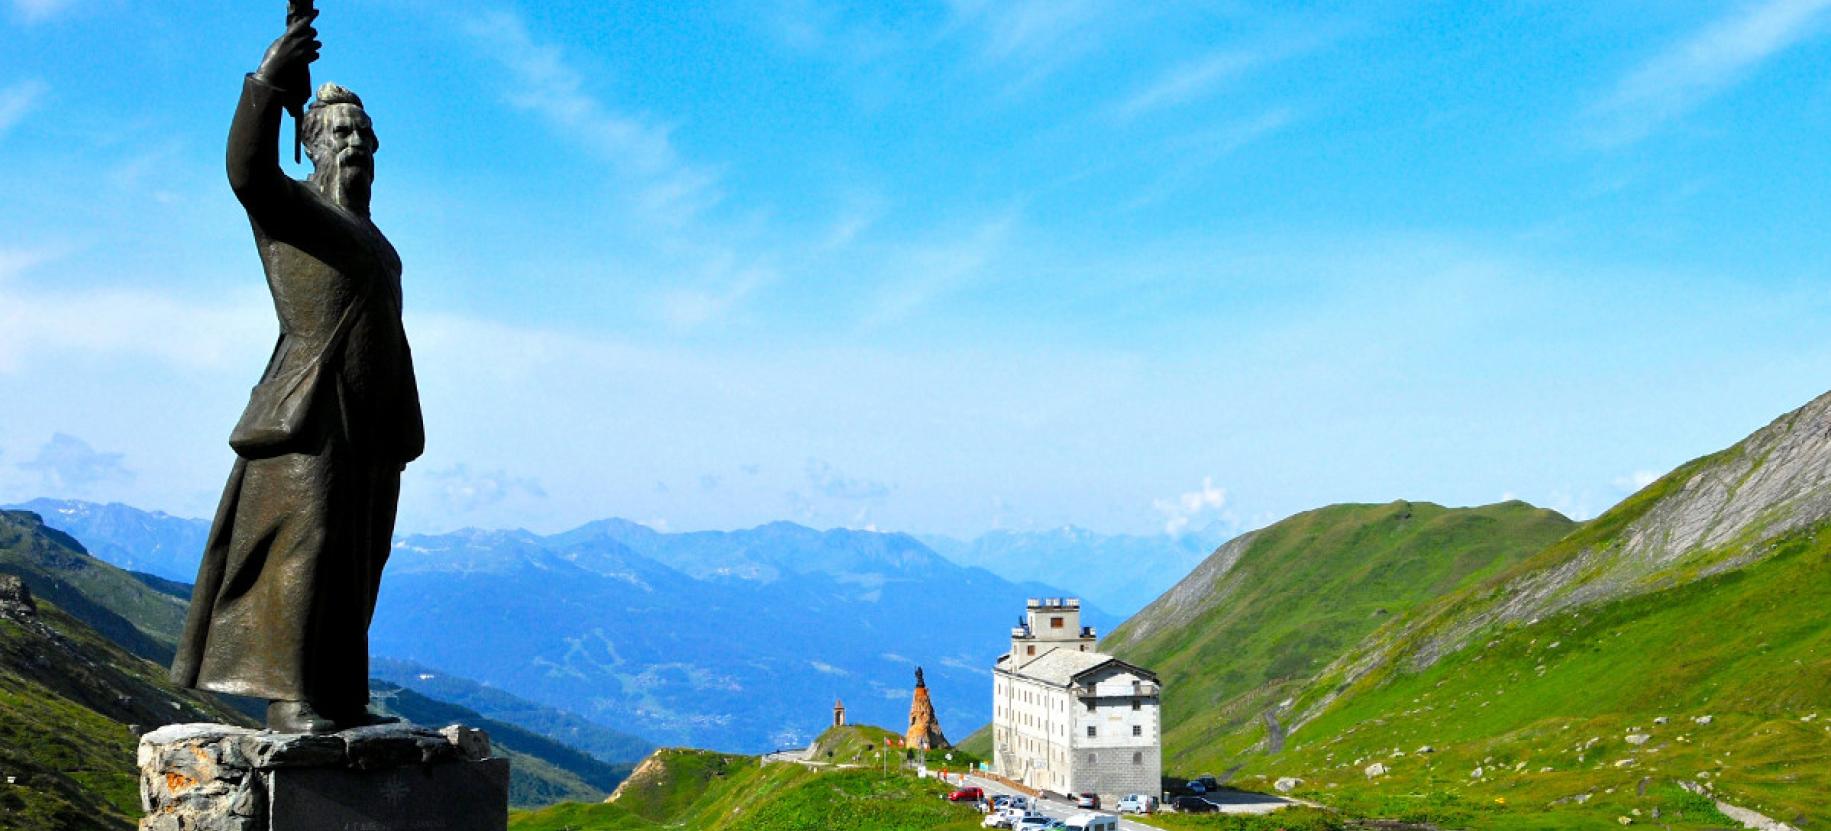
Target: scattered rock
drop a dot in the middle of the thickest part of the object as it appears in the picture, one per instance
(1625, 820)
(1476, 773)
(1660, 720)
(1703, 719)
(15, 599)
(471, 743)
(1287, 784)
(1375, 769)
(1426, 749)
(1636, 738)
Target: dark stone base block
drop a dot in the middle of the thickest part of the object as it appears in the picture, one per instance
(212, 777)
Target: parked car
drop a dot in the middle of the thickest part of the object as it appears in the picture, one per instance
(1087, 799)
(999, 801)
(1007, 817)
(1015, 818)
(1209, 783)
(1093, 822)
(966, 795)
(1194, 805)
(1195, 787)
(1136, 803)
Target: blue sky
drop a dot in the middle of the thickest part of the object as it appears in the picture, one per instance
(951, 266)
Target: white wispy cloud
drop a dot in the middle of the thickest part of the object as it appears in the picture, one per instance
(68, 465)
(18, 99)
(928, 271)
(113, 321)
(1037, 37)
(546, 84)
(1189, 81)
(1189, 154)
(35, 11)
(1178, 513)
(1700, 67)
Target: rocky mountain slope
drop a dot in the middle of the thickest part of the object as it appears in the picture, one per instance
(1677, 644)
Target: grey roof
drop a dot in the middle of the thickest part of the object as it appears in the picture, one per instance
(1060, 665)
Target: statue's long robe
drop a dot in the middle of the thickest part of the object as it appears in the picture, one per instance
(290, 573)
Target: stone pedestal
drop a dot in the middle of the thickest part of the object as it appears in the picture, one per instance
(213, 777)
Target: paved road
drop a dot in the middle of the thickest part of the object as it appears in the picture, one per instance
(1231, 802)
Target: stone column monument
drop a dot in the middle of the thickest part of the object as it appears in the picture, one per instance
(293, 563)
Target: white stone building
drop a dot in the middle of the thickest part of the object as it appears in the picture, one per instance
(1068, 719)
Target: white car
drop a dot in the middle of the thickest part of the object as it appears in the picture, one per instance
(1136, 803)
(1014, 818)
(1093, 822)
(1031, 822)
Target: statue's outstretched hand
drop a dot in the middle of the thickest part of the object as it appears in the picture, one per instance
(288, 61)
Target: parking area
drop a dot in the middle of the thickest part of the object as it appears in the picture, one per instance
(1229, 802)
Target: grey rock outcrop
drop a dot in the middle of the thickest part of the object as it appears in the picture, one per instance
(216, 777)
(15, 599)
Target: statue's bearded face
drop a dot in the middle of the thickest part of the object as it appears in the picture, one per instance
(343, 143)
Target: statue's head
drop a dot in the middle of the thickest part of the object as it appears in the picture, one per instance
(340, 138)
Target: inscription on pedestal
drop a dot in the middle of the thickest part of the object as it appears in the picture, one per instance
(454, 796)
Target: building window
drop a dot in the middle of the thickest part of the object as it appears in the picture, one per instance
(1137, 730)
(1091, 730)
(1030, 650)
(1136, 705)
(1055, 623)
(1090, 705)
(1091, 758)
(1137, 758)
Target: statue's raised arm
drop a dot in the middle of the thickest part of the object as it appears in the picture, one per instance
(281, 83)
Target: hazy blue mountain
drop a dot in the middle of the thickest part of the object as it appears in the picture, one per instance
(1118, 572)
(734, 640)
(153, 542)
(605, 744)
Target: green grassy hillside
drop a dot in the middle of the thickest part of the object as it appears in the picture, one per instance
(1268, 611)
(707, 791)
(138, 617)
(853, 744)
(1550, 712)
(67, 696)
(1680, 637)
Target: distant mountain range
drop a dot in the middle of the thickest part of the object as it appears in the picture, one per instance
(735, 640)
(1130, 570)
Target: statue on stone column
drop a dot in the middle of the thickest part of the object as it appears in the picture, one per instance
(293, 563)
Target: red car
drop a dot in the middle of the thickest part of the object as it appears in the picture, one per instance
(966, 795)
